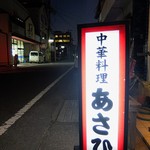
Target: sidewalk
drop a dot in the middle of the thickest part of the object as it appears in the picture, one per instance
(11, 69)
(26, 66)
(64, 133)
(4, 69)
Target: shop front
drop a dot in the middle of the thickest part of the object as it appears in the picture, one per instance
(21, 47)
(18, 49)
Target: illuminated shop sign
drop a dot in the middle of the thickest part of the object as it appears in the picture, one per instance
(103, 86)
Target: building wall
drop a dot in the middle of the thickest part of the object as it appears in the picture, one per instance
(5, 40)
(17, 29)
(13, 7)
(115, 10)
(18, 26)
(29, 28)
(140, 34)
(106, 9)
(27, 32)
(126, 10)
(39, 10)
(11, 10)
(136, 12)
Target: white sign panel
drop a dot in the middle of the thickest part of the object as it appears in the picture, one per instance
(103, 77)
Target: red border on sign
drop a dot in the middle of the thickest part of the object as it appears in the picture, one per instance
(122, 85)
(83, 90)
(122, 77)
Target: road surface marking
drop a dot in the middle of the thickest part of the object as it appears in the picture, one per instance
(4, 127)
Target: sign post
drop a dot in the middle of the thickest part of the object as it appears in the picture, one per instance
(104, 77)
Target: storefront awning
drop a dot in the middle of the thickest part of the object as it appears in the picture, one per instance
(25, 39)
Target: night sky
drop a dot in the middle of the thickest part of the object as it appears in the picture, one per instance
(69, 13)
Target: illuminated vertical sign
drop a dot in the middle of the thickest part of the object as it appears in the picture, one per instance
(104, 100)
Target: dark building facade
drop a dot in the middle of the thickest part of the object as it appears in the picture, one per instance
(63, 44)
(23, 28)
(136, 12)
(40, 13)
(140, 35)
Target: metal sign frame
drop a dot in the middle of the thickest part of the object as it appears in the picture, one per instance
(96, 42)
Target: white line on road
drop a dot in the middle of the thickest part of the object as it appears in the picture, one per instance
(22, 111)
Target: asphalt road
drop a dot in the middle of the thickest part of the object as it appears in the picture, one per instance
(18, 88)
(52, 122)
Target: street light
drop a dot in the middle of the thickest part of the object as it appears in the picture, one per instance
(51, 40)
(52, 49)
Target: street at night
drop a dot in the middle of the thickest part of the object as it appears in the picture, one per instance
(74, 75)
(29, 131)
(17, 89)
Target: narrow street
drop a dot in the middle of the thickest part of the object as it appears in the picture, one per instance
(45, 124)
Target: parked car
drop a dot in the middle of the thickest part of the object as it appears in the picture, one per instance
(36, 57)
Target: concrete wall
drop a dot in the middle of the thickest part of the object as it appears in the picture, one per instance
(115, 10)
(106, 9)
(29, 27)
(14, 7)
(5, 40)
